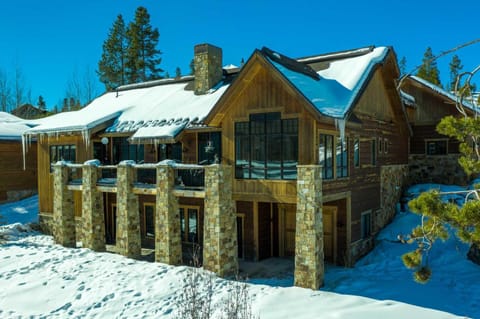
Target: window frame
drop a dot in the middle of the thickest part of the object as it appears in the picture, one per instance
(185, 236)
(334, 165)
(436, 140)
(356, 152)
(56, 148)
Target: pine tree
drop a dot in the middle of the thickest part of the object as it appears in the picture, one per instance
(403, 65)
(111, 67)
(178, 73)
(142, 55)
(429, 70)
(192, 67)
(455, 68)
(41, 103)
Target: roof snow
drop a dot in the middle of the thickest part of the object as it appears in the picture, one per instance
(12, 127)
(148, 111)
(333, 95)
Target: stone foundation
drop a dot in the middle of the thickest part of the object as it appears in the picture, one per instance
(220, 223)
(439, 169)
(63, 211)
(392, 181)
(168, 244)
(128, 241)
(309, 268)
(46, 223)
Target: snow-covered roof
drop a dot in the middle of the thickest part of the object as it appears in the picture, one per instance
(340, 83)
(407, 98)
(12, 127)
(154, 111)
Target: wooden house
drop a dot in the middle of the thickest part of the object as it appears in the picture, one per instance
(433, 157)
(301, 158)
(18, 179)
(29, 111)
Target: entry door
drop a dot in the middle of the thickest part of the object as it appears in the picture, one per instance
(111, 225)
(329, 233)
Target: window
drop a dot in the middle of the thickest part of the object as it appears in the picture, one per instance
(366, 224)
(62, 153)
(209, 147)
(170, 151)
(342, 157)
(380, 145)
(385, 148)
(149, 211)
(356, 152)
(266, 147)
(122, 150)
(374, 152)
(328, 162)
(436, 147)
(325, 153)
(189, 224)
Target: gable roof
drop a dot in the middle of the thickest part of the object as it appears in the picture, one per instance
(151, 110)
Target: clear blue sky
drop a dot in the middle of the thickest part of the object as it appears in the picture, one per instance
(52, 39)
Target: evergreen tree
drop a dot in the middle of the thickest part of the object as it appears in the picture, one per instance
(178, 72)
(192, 67)
(429, 70)
(41, 103)
(142, 55)
(455, 68)
(403, 65)
(111, 67)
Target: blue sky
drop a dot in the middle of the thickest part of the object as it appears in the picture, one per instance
(52, 39)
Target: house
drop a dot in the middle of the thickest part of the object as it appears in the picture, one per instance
(15, 181)
(303, 158)
(433, 157)
(28, 111)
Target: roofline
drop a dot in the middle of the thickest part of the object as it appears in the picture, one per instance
(148, 84)
(337, 55)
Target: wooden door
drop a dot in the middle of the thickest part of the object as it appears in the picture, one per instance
(329, 233)
(289, 234)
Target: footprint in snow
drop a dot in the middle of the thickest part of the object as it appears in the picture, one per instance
(108, 297)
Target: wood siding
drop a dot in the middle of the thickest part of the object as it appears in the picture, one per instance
(13, 176)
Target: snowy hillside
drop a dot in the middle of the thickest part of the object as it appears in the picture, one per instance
(41, 279)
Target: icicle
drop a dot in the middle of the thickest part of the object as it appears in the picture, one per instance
(340, 125)
(24, 151)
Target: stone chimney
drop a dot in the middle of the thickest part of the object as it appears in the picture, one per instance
(208, 67)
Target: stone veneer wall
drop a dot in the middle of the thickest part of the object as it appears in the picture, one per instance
(93, 220)
(393, 179)
(46, 223)
(128, 241)
(220, 222)
(63, 212)
(208, 67)
(168, 244)
(309, 268)
(440, 169)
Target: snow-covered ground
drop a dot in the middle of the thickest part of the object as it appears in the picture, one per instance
(39, 279)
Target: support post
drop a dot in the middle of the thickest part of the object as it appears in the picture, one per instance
(128, 241)
(168, 243)
(220, 223)
(309, 267)
(92, 208)
(63, 210)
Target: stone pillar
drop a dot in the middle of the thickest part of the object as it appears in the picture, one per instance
(128, 241)
(92, 208)
(309, 268)
(63, 210)
(168, 243)
(220, 222)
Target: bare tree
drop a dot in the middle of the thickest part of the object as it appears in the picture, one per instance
(5, 92)
(19, 86)
(82, 87)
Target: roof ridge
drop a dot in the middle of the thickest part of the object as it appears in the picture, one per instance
(337, 55)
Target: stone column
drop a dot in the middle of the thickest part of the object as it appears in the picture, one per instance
(63, 210)
(168, 243)
(220, 222)
(92, 208)
(128, 241)
(309, 268)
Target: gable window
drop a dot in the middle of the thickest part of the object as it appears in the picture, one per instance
(366, 224)
(123, 150)
(356, 152)
(436, 147)
(373, 152)
(266, 147)
(189, 224)
(342, 157)
(149, 211)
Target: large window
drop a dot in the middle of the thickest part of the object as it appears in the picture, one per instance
(436, 147)
(266, 147)
(189, 224)
(209, 147)
(122, 150)
(333, 166)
